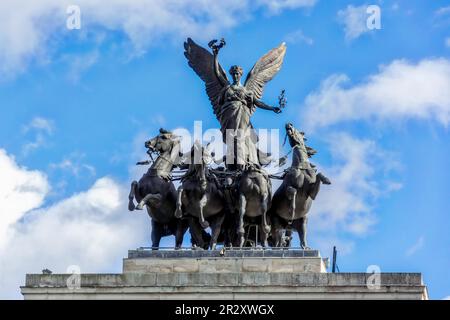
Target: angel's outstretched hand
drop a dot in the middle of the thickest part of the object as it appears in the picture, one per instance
(276, 110)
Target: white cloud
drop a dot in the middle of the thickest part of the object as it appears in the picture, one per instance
(443, 11)
(40, 123)
(24, 26)
(30, 30)
(79, 64)
(74, 164)
(21, 190)
(138, 153)
(275, 6)
(446, 298)
(42, 128)
(400, 90)
(298, 36)
(441, 17)
(347, 205)
(416, 246)
(354, 20)
(30, 146)
(325, 243)
(91, 229)
(159, 120)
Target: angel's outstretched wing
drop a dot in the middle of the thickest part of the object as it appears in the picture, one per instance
(202, 61)
(264, 70)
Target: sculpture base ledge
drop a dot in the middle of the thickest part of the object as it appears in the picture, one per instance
(236, 275)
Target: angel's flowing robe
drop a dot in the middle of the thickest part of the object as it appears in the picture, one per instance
(235, 107)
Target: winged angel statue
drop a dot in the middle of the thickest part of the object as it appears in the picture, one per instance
(234, 103)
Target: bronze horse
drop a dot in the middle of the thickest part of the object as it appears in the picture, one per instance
(293, 199)
(254, 191)
(156, 191)
(200, 197)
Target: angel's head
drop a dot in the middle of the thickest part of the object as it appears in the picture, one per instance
(236, 73)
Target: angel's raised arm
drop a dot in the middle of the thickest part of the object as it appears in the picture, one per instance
(217, 71)
(208, 69)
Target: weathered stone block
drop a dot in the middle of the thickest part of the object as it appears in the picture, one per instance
(255, 265)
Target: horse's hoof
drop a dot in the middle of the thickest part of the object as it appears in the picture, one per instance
(204, 224)
(323, 179)
(131, 206)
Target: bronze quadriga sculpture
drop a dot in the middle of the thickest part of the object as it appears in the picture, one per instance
(230, 199)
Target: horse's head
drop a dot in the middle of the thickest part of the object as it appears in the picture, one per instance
(295, 137)
(198, 158)
(297, 140)
(163, 142)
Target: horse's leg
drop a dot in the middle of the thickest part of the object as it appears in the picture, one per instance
(182, 227)
(226, 229)
(179, 210)
(216, 227)
(196, 234)
(288, 237)
(291, 194)
(133, 188)
(301, 228)
(264, 207)
(264, 236)
(202, 205)
(323, 179)
(265, 228)
(156, 234)
(206, 239)
(242, 207)
(277, 231)
(231, 222)
(153, 199)
(193, 240)
(142, 203)
(314, 189)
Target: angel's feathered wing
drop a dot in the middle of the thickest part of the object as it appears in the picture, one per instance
(202, 61)
(264, 70)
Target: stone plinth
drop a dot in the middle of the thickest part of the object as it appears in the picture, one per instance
(233, 261)
(239, 274)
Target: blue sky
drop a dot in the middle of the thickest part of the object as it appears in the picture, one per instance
(77, 105)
